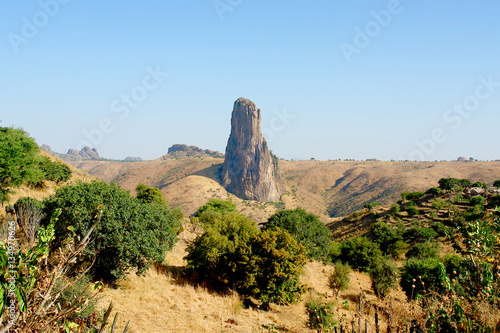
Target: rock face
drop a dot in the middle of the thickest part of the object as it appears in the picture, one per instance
(179, 150)
(249, 171)
(132, 159)
(86, 153)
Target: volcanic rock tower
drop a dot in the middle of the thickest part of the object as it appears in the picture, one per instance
(249, 171)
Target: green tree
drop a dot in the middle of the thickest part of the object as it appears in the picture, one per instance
(360, 253)
(18, 160)
(216, 205)
(152, 195)
(307, 229)
(384, 235)
(496, 183)
(54, 171)
(383, 275)
(130, 234)
(423, 250)
(422, 276)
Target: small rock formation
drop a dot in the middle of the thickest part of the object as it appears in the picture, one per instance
(47, 149)
(249, 171)
(462, 159)
(132, 159)
(179, 151)
(86, 153)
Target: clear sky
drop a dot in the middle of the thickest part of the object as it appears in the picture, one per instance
(333, 78)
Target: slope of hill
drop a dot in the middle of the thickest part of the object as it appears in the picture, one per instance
(327, 188)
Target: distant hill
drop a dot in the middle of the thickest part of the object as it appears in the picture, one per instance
(326, 188)
(181, 151)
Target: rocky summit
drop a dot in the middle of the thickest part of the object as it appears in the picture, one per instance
(249, 171)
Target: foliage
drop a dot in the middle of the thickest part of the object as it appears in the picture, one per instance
(276, 263)
(320, 315)
(412, 195)
(419, 277)
(475, 213)
(434, 191)
(496, 183)
(217, 253)
(481, 184)
(412, 210)
(18, 160)
(54, 171)
(477, 200)
(216, 205)
(419, 235)
(130, 234)
(371, 205)
(454, 184)
(151, 195)
(383, 275)
(438, 204)
(307, 229)
(395, 208)
(340, 279)
(423, 250)
(494, 200)
(233, 252)
(29, 212)
(360, 253)
(384, 235)
(398, 248)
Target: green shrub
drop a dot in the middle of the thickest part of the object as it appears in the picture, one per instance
(371, 205)
(384, 235)
(151, 195)
(395, 208)
(434, 191)
(422, 276)
(55, 171)
(340, 279)
(494, 200)
(477, 200)
(423, 250)
(398, 248)
(276, 264)
(307, 229)
(475, 213)
(360, 253)
(412, 195)
(320, 315)
(412, 210)
(496, 183)
(438, 204)
(454, 184)
(454, 265)
(217, 206)
(481, 184)
(419, 235)
(383, 276)
(129, 234)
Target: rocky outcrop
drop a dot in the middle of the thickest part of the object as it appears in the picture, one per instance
(249, 171)
(132, 159)
(180, 151)
(85, 154)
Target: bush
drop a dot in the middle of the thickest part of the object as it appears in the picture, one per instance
(395, 208)
(29, 213)
(412, 210)
(438, 204)
(475, 213)
(340, 279)
(477, 200)
(217, 206)
(151, 195)
(423, 251)
(129, 234)
(307, 229)
(496, 183)
(419, 235)
(454, 184)
(422, 276)
(384, 235)
(215, 255)
(454, 264)
(434, 191)
(412, 195)
(360, 253)
(276, 264)
(371, 205)
(398, 248)
(383, 276)
(320, 315)
(494, 200)
(55, 171)
(481, 184)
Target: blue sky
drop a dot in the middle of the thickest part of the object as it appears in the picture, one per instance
(334, 79)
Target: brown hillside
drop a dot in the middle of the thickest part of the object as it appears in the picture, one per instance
(327, 188)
